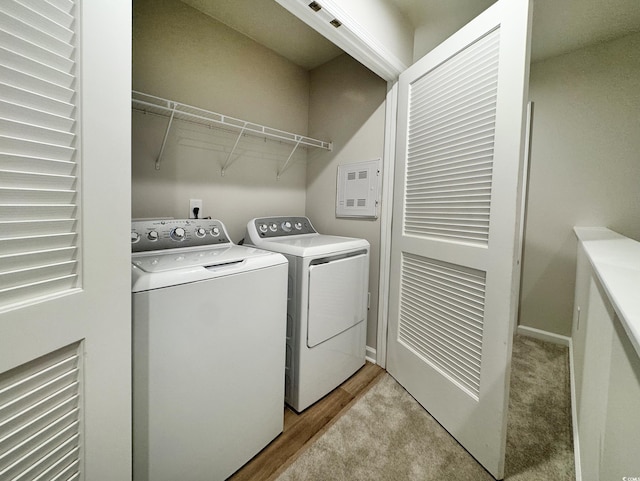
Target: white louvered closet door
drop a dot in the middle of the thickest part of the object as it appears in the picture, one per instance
(65, 389)
(455, 256)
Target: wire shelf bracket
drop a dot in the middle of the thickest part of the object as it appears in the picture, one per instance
(286, 164)
(164, 140)
(175, 110)
(228, 162)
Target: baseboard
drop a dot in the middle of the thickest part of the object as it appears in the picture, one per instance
(574, 416)
(544, 335)
(371, 355)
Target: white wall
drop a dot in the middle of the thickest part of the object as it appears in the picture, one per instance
(347, 105)
(585, 168)
(181, 54)
(443, 21)
(384, 23)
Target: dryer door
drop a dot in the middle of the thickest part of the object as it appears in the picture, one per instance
(337, 296)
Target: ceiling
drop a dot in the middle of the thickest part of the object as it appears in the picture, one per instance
(273, 26)
(559, 26)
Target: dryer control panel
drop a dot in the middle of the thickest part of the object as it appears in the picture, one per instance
(151, 235)
(267, 227)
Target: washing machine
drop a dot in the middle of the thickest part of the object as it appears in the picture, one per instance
(209, 321)
(326, 308)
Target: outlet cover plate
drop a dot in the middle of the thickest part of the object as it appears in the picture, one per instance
(195, 203)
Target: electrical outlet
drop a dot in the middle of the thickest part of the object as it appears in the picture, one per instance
(195, 203)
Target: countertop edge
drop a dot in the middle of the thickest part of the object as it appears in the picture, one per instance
(616, 262)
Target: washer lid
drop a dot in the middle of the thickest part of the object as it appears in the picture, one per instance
(173, 267)
(307, 245)
(174, 259)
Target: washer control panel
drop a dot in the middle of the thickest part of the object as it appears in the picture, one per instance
(282, 226)
(151, 235)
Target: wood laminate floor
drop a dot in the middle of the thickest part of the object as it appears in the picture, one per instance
(302, 429)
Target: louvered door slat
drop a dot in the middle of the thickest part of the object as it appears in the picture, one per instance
(25, 147)
(54, 13)
(22, 228)
(35, 133)
(464, 318)
(63, 470)
(26, 260)
(37, 150)
(64, 5)
(460, 157)
(451, 131)
(37, 52)
(35, 275)
(35, 180)
(39, 417)
(38, 19)
(43, 242)
(441, 317)
(456, 70)
(463, 369)
(472, 140)
(454, 114)
(463, 288)
(425, 342)
(16, 27)
(31, 452)
(443, 173)
(468, 95)
(35, 463)
(454, 187)
(441, 180)
(477, 154)
(460, 124)
(36, 196)
(53, 420)
(23, 114)
(33, 68)
(36, 212)
(48, 97)
(438, 319)
(40, 165)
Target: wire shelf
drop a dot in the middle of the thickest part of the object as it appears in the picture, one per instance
(175, 110)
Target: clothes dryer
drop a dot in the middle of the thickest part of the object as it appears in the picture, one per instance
(208, 350)
(327, 304)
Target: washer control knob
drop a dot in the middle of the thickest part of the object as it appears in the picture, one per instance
(153, 235)
(135, 237)
(200, 232)
(178, 234)
(273, 227)
(298, 225)
(263, 228)
(286, 226)
(215, 231)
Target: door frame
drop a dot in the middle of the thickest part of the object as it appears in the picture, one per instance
(386, 217)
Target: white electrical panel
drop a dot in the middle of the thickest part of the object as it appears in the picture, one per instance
(358, 189)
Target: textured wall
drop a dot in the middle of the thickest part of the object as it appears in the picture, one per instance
(585, 169)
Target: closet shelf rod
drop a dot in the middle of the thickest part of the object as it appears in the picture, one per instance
(150, 103)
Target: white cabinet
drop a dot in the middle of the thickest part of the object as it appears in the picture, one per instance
(605, 356)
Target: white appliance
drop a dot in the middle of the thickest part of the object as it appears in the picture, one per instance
(327, 304)
(208, 350)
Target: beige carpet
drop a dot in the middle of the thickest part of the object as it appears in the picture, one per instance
(387, 436)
